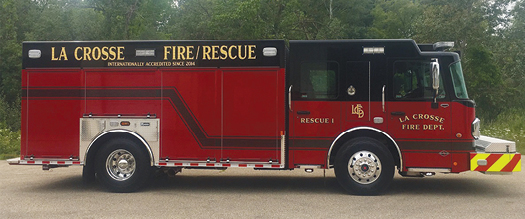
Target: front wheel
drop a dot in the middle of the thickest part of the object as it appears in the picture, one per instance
(122, 166)
(364, 166)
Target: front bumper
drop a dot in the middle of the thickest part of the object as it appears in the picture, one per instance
(495, 156)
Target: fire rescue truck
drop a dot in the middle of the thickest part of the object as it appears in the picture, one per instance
(367, 108)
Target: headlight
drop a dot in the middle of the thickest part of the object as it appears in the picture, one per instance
(475, 129)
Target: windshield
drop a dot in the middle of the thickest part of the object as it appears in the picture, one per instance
(458, 80)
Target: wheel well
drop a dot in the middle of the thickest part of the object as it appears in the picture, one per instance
(100, 141)
(387, 141)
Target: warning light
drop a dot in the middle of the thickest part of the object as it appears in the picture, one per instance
(459, 135)
(455, 163)
(125, 123)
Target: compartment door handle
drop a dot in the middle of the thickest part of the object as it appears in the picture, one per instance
(398, 113)
(303, 112)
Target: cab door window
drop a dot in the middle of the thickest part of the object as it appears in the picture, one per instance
(413, 81)
(319, 80)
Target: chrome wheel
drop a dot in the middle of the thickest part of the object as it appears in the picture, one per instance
(120, 165)
(364, 167)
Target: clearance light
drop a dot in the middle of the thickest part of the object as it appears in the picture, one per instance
(441, 46)
(145, 53)
(125, 123)
(34, 53)
(270, 51)
(373, 50)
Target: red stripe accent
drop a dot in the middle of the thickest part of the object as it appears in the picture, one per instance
(194, 164)
(45, 162)
(163, 164)
(210, 165)
(61, 162)
(177, 164)
(226, 165)
(472, 155)
(276, 166)
(76, 162)
(259, 165)
(491, 159)
(30, 162)
(243, 165)
(510, 166)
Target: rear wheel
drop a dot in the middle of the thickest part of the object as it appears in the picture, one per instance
(364, 166)
(122, 166)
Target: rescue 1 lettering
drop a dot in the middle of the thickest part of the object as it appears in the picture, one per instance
(90, 53)
(317, 120)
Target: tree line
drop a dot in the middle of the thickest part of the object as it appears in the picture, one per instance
(489, 34)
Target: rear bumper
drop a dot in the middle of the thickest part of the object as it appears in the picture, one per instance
(14, 161)
(495, 155)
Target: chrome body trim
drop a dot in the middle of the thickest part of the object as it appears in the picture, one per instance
(486, 144)
(359, 129)
(148, 147)
(383, 98)
(146, 130)
(290, 98)
(283, 145)
(429, 170)
(476, 126)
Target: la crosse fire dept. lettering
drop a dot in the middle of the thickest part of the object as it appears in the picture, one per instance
(366, 108)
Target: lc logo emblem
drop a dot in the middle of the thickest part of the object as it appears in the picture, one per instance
(358, 110)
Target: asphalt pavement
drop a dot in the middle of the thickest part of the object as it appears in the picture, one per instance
(30, 192)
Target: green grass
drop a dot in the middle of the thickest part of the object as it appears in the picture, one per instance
(509, 125)
(9, 143)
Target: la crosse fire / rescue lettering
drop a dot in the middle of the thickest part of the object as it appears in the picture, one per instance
(362, 107)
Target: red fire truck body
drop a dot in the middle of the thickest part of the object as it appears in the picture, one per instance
(363, 107)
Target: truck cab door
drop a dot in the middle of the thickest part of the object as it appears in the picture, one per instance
(315, 115)
(418, 124)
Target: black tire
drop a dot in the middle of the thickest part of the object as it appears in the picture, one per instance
(122, 166)
(88, 174)
(364, 166)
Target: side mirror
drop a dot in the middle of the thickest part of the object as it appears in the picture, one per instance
(435, 74)
(434, 65)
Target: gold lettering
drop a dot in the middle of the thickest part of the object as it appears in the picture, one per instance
(316, 120)
(240, 52)
(224, 53)
(214, 52)
(230, 54)
(96, 53)
(166, 52)
(358, 110)
(120, 50)
(180, 53)
(104, 52)
(62, 56)
(53, 58)
(251, 53)
(87, 53)
(189, 52)
(78, 58)
(112, 53)
(206, 52)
